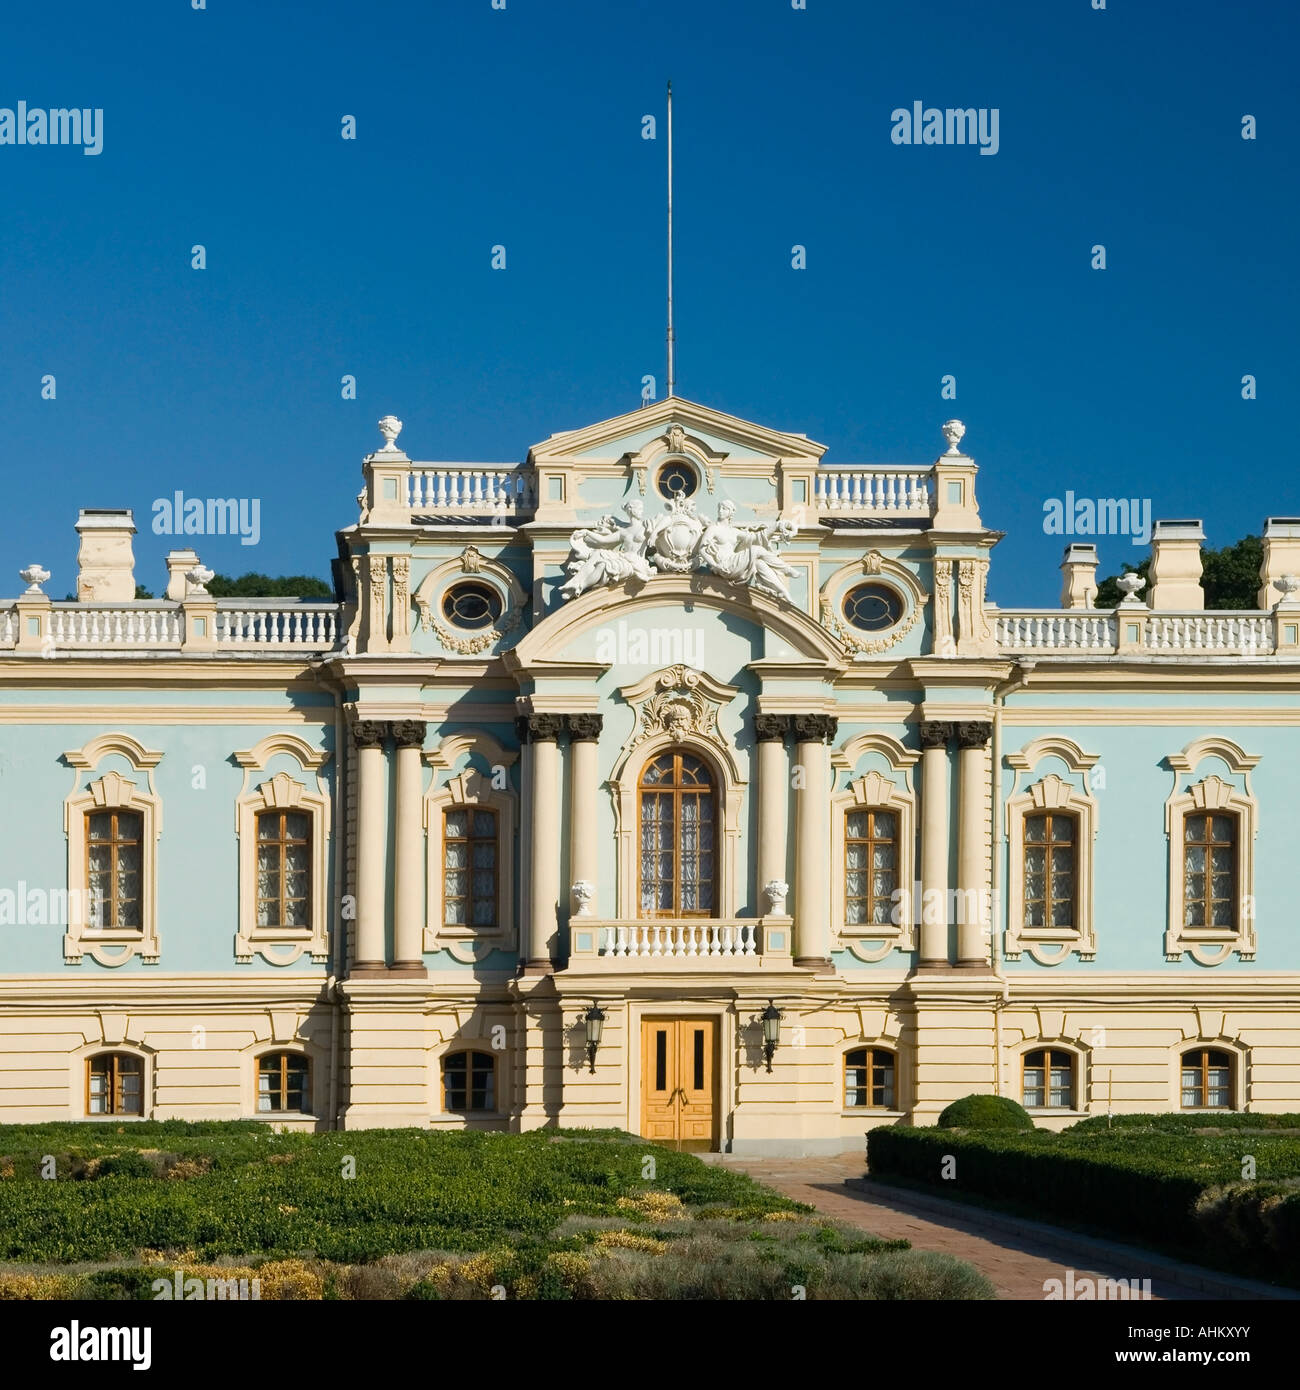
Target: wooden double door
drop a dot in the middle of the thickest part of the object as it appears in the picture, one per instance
(679, 1082)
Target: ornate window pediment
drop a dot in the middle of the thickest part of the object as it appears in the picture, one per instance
(275, 849)
(1051, 828)
(1211, 854)
(113, 825)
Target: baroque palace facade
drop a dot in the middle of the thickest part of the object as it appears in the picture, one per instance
(672, 781)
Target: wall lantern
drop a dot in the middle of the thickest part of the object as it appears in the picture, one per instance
(771, 1032)
(594, 1018)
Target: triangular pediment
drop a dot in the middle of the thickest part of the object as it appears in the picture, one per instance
(719, 433)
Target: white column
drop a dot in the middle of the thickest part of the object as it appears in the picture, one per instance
(812, 926)
(972, 860)
(773, 798)
(584, 842)
(544, 830)
(409, 877)
(934, 841)
(372, 846)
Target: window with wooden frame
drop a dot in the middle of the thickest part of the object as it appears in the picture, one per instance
(283, 1083)
(1207, 1079)
(114, 856)
(869, 1079)
(283, 869)
(870, 866)
(469, 1082)
(469, 867)
(114, 1084)
(1047, 1079)
(678, 837)
(1051, 868)
(1210, 870)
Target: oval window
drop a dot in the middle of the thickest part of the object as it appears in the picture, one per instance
(873, 607)
(676, 479)
(471, 605)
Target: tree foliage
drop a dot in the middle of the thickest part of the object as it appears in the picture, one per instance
(1230, 576)
(267, 586)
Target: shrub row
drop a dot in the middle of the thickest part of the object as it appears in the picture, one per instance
(1172, 1190)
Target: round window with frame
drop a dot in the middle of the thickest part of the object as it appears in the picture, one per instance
(676, 478)
(472, 605)
(873, 607)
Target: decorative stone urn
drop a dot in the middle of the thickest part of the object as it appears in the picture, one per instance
(776, 893)
(390, 427)
(200, 576)
(1131, 585)
(953, 430)
(584, 894)
(34, 576)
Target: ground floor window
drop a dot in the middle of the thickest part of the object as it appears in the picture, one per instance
(114, 1084)
(469, 1081)
(282, 1083)
(1207, 1080)
(869, 1079)
(1048, 1080)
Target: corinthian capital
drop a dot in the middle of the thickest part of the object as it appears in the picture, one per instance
(369, 733)
(771, 728)
(584, 728)
(814, 728)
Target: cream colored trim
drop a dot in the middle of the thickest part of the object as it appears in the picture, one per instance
(78, 1058)
(874, 942)
(469, 788)
(874, 567)
(1212, 945)
(317, 1075)
(309, 758)
(111, 791)
(1051, 945)
(449, 750)
(1081, 1073)
(622, 785)
(165, 714)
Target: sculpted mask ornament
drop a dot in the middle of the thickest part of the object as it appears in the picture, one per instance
(679, 541)
(678, 707)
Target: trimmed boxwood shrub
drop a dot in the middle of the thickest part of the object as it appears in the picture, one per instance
(985, 1112)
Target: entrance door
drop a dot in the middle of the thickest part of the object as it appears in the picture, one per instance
(679, 1082)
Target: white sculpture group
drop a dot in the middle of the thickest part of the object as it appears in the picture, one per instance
(679, 542)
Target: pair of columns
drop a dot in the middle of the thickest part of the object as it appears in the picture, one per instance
(812, 902)
(371, 737)
(972, 872)
(540, 735)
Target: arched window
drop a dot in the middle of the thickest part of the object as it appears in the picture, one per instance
(283, 869)
(114, 1084)
(1207, 1079)
(869, 1074)
(1047, 1080)
(1210, 870)
(469, 1081)
(1050, 868)
(283, 1083)
(114, 845)
(679, 820)
(870, 865)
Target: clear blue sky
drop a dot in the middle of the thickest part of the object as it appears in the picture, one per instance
(523, 127)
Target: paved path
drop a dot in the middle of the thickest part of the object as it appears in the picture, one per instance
(1017, 1256)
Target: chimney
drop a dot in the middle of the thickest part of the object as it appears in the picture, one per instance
(179, 564)
(105, 561)
(1281, 556)
(1175, 583)
(1079, 576)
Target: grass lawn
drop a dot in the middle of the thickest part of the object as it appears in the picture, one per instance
(104, 1210)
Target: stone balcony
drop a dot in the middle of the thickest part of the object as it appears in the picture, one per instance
(34, 624)
(681, 945)
(1138, 631)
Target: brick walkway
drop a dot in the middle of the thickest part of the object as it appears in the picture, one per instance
(1016, 1256)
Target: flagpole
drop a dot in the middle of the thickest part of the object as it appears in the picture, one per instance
(672, 341)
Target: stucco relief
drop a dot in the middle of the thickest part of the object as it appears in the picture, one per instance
(680, 541)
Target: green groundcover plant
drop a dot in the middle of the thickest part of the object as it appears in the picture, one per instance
(1223, 1189)
(143, 1210)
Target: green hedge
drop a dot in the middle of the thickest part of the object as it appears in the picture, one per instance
(1167, 1187)
(1181, 1122)
(985, 1112)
